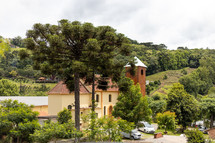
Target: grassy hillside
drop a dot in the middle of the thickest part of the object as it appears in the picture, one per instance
(31, 88)
(166, 84)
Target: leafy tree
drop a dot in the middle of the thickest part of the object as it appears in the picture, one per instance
(17, 121)
(7, 88)
(166, 120)
(74, 50)
(184, 105)
(64, 116)
(194, 136)
(4, 46)
(108, 129)
(198, 82)
(131, 105)
(17, 41)
(208, 109)
(53, 131)
(157, 106)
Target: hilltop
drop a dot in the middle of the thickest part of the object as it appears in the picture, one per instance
(172, 77)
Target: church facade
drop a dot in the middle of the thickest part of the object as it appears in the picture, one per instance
(59, 97)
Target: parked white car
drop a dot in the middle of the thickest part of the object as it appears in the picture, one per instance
(146, 127)
(134, 135)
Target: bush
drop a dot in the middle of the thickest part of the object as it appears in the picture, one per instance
(64, 116)
(166, 120)
(194, 136)
(183, 71)
(165, 77)
(54, 131)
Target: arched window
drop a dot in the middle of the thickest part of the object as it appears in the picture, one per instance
(104, 110)
(141, 71)
(97, 98)
(110, 96)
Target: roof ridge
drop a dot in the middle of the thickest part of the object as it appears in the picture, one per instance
(84, 86)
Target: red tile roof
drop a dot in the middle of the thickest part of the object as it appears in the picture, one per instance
(61, 88)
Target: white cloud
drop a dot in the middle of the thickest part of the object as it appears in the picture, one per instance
(171, 22)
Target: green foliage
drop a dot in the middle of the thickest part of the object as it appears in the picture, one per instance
(13, 73)
(8, 88)
(198, 82)
(132, 106)
(53, 131)
(194, 136)
(166, 120)
(157, 106)
(184, 105)
(184, 72)
(165, 77)
(17, 121)
(108, 129)
(208, 109)
(64, 116)
(17, 41)
(211, 92)
(4, 46)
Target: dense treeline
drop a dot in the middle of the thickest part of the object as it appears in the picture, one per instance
(158, 58)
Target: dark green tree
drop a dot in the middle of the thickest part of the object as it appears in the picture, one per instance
(64, 116)
(184, 105)
(7, 88)
(74, 50)
(131, 105)
(208, 109)
(17, 121)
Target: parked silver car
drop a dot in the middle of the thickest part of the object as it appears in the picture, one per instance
(134, 135)
(146, 127)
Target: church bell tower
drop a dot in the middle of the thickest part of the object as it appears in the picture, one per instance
(140, 74)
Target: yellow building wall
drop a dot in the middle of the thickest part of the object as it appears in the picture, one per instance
(54, 104)
(43, 108)
(106, 103)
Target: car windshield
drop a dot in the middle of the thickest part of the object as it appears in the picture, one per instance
(147, 125)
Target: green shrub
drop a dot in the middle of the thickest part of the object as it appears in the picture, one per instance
(64, 116)
(184, 72)
(165, 77)
(194, 136)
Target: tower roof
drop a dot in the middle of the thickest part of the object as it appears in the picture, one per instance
(137, 64)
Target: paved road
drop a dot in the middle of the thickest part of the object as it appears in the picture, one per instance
(167, 139)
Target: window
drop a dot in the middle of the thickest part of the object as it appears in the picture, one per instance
(81, 113)
(97, 98)
(109, 97)
(104, 110)
(142, 72)
(97, 115)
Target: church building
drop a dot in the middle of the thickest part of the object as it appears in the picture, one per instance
(59, 97)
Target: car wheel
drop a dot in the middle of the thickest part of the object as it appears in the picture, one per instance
(132, 138)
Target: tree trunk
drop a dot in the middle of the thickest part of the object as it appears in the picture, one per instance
(93, 92)
(77, 104)
(212, 121)
(93, 107)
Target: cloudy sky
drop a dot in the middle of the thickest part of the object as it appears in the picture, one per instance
(174, 23)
